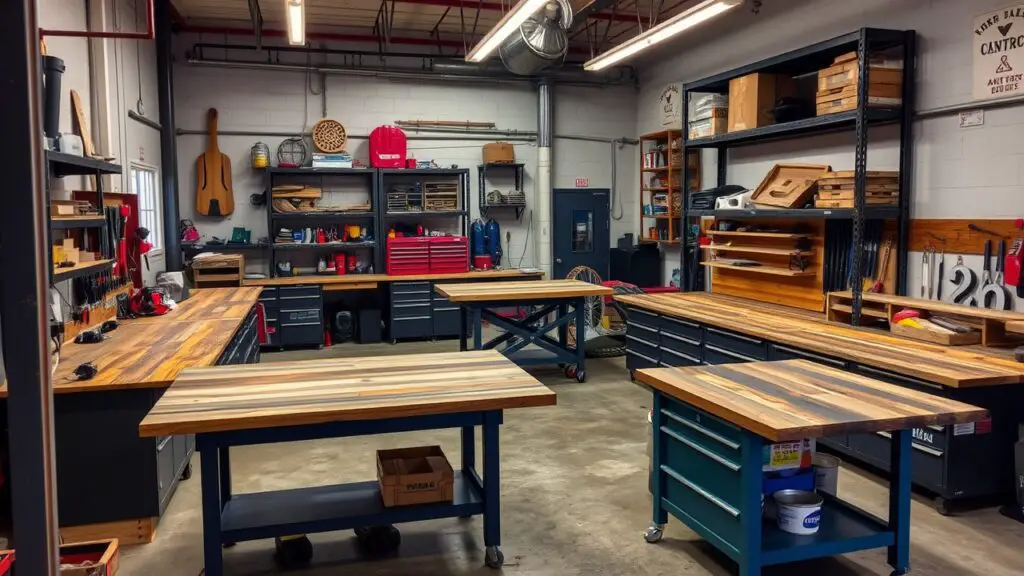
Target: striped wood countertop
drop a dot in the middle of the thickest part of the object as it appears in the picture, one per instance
(514, 291)
(320, 391)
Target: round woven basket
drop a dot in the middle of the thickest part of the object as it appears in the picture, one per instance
(329, 136)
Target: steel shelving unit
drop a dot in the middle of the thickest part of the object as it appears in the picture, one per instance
(806, 61)
(518, 177)
(387, 175)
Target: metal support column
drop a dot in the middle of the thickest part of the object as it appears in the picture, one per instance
(23, 295)
(684, 198)
(168, 140)
(906, 160)
(860, 160)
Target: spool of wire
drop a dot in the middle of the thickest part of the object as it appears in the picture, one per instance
(260, 154)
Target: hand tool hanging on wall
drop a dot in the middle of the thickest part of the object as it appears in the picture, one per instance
(925, 274)
(965, 280)
(214, 195)
(991, 294)
(883, 267)
(1014, 266)
(977, 228)
(941, 277)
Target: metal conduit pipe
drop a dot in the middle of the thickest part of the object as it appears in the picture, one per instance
(542, 190)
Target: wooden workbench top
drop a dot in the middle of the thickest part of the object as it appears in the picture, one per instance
(151, 352)
(319, 391)
(370, 278)
(948, 366)
(513, 291)
(797, 399)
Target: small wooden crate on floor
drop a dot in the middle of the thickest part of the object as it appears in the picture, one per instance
(219, 270)
(97, 558)
(417, 475)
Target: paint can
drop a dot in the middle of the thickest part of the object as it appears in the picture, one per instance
(826, 474)
(798, 511)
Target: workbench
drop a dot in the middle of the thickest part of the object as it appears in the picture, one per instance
(111, 483)
(710, 424)
(291, 401)
(954, 463)
(544, 298)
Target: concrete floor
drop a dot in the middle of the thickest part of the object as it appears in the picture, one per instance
(574, 501)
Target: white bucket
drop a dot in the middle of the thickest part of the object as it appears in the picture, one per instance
(798, 511)
(826, 474)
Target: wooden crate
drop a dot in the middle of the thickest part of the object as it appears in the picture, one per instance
(102, 556)
(967, 339)
(218, 270)
(417, 475)
(789, 185)
(441, 196)
(131, 532)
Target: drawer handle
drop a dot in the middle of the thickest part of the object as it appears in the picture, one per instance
(301, 324)
(683, 322)
(730, 354)
(916, 446)
(707, 495)
(412, 292)
(808, 355)
(682, 339)
(698, 428)
(641, 340)
(734, 335)
(294, 310)
(724, 462)
(297, 297)
(936, 428)
(456, 309)
(411, 318)
(644, 312)
(645, 357)
(681, 355)
(899, 378)
(163, 444)
(412, 304)
(640, 326)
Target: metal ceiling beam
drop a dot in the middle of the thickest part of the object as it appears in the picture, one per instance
(591, 11)
(497, 7)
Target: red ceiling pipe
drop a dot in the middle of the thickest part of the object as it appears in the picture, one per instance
(147, 35)
(497, 7)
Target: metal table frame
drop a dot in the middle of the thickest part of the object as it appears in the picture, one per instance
(689, 449)
(229, 518)
(533, 329)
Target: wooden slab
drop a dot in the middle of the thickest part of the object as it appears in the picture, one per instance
(319, 391)
(214, 303)
(361, 278)
(959, 239)
(797, 399)
(128, 532)
(956, 368)
(516, 291)
(1016, 327)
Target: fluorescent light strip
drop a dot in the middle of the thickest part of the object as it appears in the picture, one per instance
(679, 23)
(295, 12)
(508, 25)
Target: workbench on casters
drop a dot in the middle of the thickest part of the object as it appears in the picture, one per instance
(710, 424)
(543, 298)
(293, 401)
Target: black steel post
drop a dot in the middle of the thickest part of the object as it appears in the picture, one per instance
(23, 303)
(168, 140)
(723, 164)
(860, 161)
(906, 160)
(684, 195)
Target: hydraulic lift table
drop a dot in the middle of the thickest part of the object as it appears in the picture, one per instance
(710, 424)
(543, 297)
(290, 401)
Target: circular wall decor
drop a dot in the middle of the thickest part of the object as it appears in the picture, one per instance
(329, 136)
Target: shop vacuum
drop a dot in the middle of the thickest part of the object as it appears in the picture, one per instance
(485, 244)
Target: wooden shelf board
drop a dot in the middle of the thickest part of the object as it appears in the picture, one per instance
(81, 266)
(872, 312)
(772, 270)
(758, 234)
(660, 169)
(759, 250)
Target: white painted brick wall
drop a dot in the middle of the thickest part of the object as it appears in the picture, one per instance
(958, 173)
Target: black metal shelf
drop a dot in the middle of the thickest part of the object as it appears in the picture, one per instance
(813, 126)
(425, 214)
(303, 216)
(77, 222)
(224, 247)
(82, 269)
(423, 171)
(519, 177)
(325, 246)
(62, 165)
(871, 212)
(321, 171)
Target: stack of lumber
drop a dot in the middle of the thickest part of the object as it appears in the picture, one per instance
(837, 84)
(836, 189)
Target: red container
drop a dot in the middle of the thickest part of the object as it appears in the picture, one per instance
(388, 147)
(483, 262)
(410, 163)
(449, 254)
(339, 264)
(408, 256)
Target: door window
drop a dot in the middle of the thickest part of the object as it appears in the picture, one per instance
(582, 230)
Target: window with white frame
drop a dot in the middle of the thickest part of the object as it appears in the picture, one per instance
(144, 185)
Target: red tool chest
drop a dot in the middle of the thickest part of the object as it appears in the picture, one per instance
(427, 255)
(449, 254)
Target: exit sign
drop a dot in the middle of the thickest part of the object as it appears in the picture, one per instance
(582, 182)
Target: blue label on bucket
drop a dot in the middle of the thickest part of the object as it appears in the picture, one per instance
(812, 519)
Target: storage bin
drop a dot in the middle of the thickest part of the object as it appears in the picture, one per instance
(417, 475)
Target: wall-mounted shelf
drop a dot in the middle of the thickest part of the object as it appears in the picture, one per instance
(304, 216)
(325, 246)
(772, 270)
(779, 235)
(759, 250)
(870, 212)
(518, 177)
(62, 165)
(807, 126)
(72, 222)
(425, 213)
(80, 269)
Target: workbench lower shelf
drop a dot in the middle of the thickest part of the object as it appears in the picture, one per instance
(843, 529)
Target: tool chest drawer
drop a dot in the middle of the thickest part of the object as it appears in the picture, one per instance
(715, 355)
(637, 360)
(680, 344)
(446, 321)
(399, 289)
(672, 359)
(928, 465)
(646, 347)
(166, 471)
(681, 327)
(642, 331)
(287, 303)
(410, 310)
(302, 334)
(900, 380)
(412, 327)
(304, 317)
(293, 291)
(780, 352)
(740, 344)
(268, 297)
(643, 317)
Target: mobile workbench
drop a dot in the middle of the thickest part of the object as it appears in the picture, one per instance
(292, 401)
(543, 298)
(710, 424)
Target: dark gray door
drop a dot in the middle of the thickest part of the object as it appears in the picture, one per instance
(582, 230)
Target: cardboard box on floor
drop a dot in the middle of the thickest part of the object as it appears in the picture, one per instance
(752, 99)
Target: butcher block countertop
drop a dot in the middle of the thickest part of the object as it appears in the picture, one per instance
(796, 399)
(953, 366)
(151, 352)
(256, 396)
(513, 291)
(325, 280)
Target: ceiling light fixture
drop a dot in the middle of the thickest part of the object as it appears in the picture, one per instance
(681, 22)
(295, 13)
(508, 24)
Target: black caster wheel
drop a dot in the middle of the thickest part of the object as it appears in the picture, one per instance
(378, 541)
(581, 376)
(493, 557)
(187, 472)
(654, 534)
(632, 376)
(292, 551)
(943, 506)
(228, 544)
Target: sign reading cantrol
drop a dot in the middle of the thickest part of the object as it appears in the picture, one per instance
(999, 53)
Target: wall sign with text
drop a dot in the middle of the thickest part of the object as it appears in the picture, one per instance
(999, 53)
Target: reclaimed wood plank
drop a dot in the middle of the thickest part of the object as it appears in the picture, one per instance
(516, 291)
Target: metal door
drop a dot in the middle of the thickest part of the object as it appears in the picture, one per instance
(581, 231)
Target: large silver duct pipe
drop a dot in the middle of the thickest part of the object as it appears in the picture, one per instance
(542, 202)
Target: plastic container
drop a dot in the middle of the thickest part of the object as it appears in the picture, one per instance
(798, 511)
(826, 473)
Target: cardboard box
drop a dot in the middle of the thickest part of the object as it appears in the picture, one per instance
(708, 127)
(96, 558)
(752, 99)
(418, 475)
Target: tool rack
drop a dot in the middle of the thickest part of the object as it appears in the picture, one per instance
(811, 59)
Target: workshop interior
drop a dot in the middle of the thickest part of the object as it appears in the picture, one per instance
(453, 287)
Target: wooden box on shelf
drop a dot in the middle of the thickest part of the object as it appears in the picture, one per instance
(837, 85)
(789, 185)
(218, 270)
(836, 189)
(966, 339)
(752, 98)
(417, 475)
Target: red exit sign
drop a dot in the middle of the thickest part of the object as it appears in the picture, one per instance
(582, 182)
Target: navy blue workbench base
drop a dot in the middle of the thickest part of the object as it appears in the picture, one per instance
(708, 474)
(534, 329)
(229, 518)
